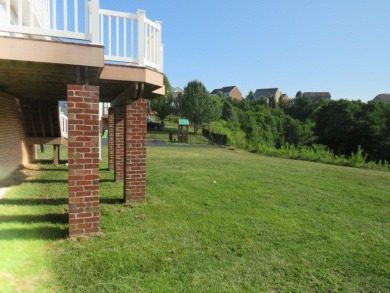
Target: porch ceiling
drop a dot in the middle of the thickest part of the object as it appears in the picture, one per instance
(39, 81)
(41, 70)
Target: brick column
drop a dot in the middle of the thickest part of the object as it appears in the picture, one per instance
(111, 139)
(83, 159)
(119, 119)
(135, 151)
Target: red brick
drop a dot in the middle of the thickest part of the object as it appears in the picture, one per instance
(83, 167)
(135, 150)
(119, 126)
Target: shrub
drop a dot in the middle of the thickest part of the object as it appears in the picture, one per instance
(235, 135)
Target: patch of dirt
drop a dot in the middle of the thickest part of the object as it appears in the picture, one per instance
(23, 173)
(9, 278)
(140, 217)
(23, 284)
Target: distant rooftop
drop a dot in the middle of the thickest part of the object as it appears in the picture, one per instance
(229, 91)
(316, 96)
(225, 90)
(385, 98)
(176, 92)
(267, 93)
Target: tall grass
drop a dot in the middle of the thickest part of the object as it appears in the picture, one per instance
(313, 153)
(321, 154)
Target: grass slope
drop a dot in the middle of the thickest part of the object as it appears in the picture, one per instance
(266, 224)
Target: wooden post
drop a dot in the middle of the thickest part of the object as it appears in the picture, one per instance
(56, 154)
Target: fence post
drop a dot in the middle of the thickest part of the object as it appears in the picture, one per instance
(141, 37)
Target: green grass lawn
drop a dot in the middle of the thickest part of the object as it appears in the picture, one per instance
(266, 224)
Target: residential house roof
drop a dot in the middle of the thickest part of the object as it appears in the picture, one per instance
(385, 98)
(176, 92)
(316, 96)
(225, 90)
(229, 91)
(267, 93)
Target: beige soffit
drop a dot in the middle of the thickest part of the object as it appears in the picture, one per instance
(29, 50)
(132, 73)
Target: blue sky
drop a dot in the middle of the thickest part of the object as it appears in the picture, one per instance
(340, 46)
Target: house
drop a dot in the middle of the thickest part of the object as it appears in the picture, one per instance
(74, 51)
(176, 92)
(317, 96)
(229, 91)
(285, 98)
(384, 98)
(269, 95)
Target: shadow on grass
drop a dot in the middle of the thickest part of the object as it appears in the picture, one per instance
(34, 201)
(49, 162)
(47, 181)
(55, 181)
(111, 200)
(46, 218)
(47, 233)
(50, 201)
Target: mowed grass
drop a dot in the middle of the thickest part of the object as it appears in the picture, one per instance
(33, 215)
(219, 220)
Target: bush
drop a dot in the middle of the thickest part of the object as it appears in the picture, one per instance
(235, 135)
(321, 154)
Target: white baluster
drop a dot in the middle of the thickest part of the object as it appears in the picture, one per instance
(76, 16)
(117, 36)
(124, 37)
(54, 14)
(158, 45)
(20, 13)
(109, 35)
(65, 7)
(141, 37)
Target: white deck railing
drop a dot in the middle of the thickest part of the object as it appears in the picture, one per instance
(127, 38)
(64, 125)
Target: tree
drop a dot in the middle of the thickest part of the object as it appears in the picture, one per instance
(250, 96)
(299, 94)
(283, 102)
(301, 108)
(198, 106)
(337, 126)
(162, 104)
(228, 112)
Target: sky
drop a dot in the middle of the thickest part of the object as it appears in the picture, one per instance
(340, 46)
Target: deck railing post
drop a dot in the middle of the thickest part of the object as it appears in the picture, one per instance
(158, 46)
(162, 58)
(94, 22)
(141, 37)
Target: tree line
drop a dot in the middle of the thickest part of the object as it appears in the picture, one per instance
(344, 127)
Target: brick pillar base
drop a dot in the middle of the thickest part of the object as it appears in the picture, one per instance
(111, 139)
(83, 159)
(135, 151)
(119, 142)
